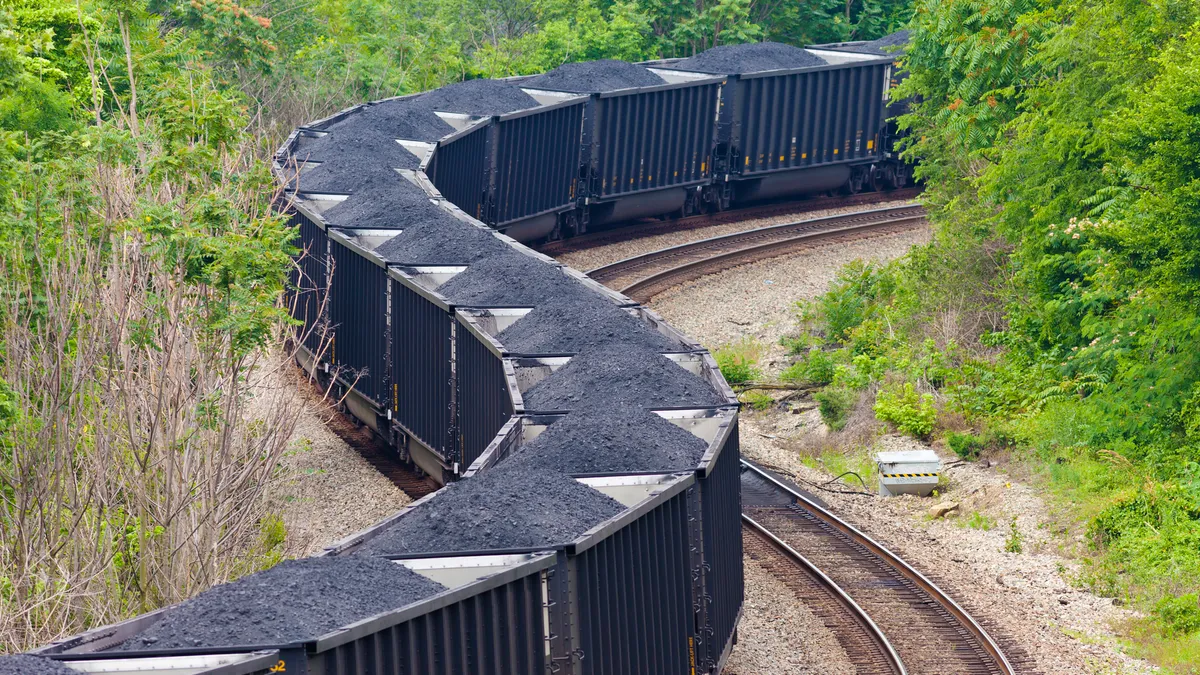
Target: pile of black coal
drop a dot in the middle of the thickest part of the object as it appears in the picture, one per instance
(594, 76)
(23, 664)
(574, 325)
(479, 97)
(624, 439)
(749, 58)
(295, 601)
(503, 508)
(510, 279)
(618, 374)
(441, 242)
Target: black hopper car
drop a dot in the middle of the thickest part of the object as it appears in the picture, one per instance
(590, 519)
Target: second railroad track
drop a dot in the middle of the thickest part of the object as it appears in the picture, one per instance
(644, 276)
(844, 576)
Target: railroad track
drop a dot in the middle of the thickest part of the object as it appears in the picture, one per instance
(649, 228)
(913, 620)
(364, 442)
(644, 276)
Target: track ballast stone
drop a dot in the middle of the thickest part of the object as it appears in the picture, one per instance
(504, 507)
(595, 76)
(571, 326)
(479, 97)
(510, 279)
(620, 374)
(619, 440)
(295, 601)
(23, 664)
(749, 58)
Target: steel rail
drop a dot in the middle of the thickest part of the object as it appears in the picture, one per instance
(849, 606)
(732, 249)
(899, 565)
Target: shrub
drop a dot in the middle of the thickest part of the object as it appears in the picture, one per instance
(818, 368)
(835, 406)
(1013, 544)
(738, 361)
(912, 413)
(758, 400)
(967, 446)
(1179, 615)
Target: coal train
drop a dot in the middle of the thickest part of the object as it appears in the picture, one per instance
(590, 519)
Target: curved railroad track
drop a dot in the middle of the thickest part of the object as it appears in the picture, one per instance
(644, 276)
(651, 227)
(929, 633)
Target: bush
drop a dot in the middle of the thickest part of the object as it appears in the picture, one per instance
(912, 413)
(818, 368)
(835, 405)
(966, 446)
(738, 362)
(757, 400)
(856, 295)
(1179, 615)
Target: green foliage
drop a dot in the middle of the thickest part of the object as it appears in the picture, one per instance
(980, 521)
(965, 445)
(757, 400)
(1013, 543)
(856, 295)
(835, 404)
(911, 412)
(818, 368)
(738, 361)
(1179, 615)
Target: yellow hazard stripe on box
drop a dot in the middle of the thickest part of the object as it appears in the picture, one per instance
(908, 475)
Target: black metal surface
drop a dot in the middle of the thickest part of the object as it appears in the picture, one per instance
(458, 168)
(499, 631)
(633, 594)
(536, 162)
(806, 118)
(651, 139)
(423, 370)
(720, 497)
(309, 279)
(358, 295)
(483, 401)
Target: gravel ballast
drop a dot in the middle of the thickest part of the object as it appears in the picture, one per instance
(749, 58)
(571, 326)
(595, 76)
(620, 374)
(479, 97)
(294, 601)
(23, 664)
(510, 279)
(620, 440)
(505, 507)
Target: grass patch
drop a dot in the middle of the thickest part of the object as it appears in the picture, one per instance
(738, 361)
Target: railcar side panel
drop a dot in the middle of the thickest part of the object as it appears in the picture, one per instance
(808, 118)
(484, 403)
(537, 161)
(459, 167)
(309, 282)
(358, 295)
(423, 370)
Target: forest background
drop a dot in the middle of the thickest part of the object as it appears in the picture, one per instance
(1054, 317)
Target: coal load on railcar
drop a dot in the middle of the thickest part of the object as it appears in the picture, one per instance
(382, 199)
(510, 279)
(624, 439)
(479, 97)
(295, 601)
(589, 77)
(22, 664)
(620, 375)
(888, 45)
(571, 326)
(509, 507)
(441, 241)
(749, 58)
(372, 130)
